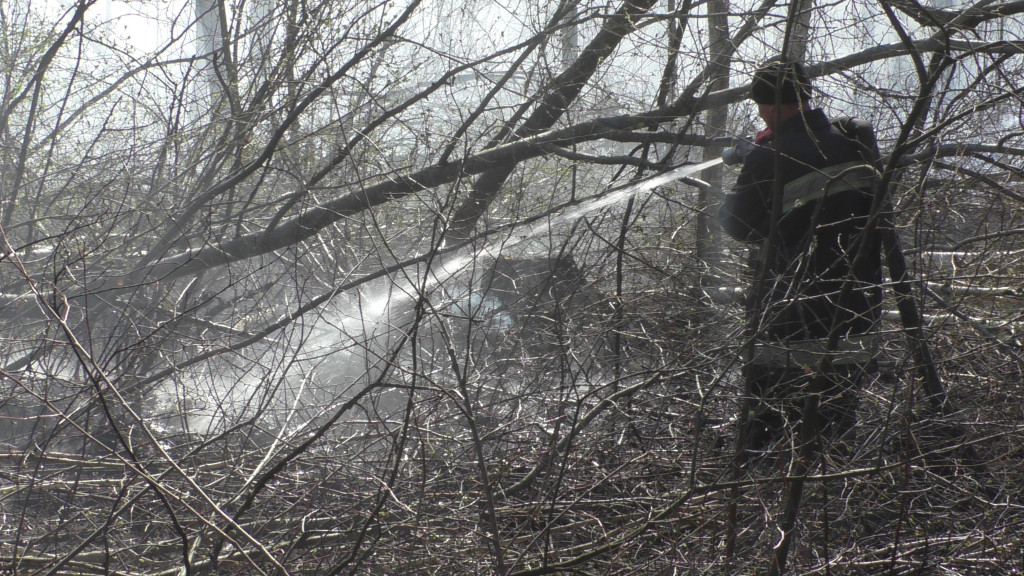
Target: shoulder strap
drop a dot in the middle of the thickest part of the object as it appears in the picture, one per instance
(862, 132)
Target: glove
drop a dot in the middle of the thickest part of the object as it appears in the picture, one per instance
(738, 153)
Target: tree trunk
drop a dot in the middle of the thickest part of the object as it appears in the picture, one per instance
(707, 229)
(562, 92)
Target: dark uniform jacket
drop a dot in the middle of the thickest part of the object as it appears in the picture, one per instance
(828, 192)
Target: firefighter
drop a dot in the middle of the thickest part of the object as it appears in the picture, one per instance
(802, 197)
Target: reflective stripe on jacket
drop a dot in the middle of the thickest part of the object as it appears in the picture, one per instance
(830, 180)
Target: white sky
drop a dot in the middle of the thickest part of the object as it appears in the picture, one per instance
(142, 24)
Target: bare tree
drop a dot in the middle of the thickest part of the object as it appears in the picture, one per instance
(338, 288)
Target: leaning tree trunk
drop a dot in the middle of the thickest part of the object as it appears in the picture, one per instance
(562, 91)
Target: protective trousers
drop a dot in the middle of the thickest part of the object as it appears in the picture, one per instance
(778, 395)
